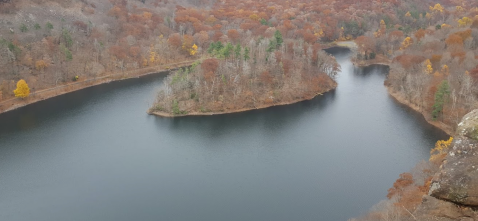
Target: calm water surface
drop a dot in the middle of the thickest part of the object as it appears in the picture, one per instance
(96, 155)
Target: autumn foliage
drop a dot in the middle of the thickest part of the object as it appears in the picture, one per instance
(22, 90)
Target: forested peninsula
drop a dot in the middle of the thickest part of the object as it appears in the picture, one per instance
(266, 72)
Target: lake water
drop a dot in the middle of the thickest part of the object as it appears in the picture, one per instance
(95, 154)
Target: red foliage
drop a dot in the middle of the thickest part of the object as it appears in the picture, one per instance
(80, 25)
(175, 40)
(96, 34)
(266, 77)
(217, 36)
(134, 51)
(407, 60)
(309, 37)
(118, 51)
(210, 65)
(474, 73)
(233, 34)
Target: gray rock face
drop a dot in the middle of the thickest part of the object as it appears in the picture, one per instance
(457, 179)
(435, 209)
(468, 126)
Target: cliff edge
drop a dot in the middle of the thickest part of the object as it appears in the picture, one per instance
(453, 193)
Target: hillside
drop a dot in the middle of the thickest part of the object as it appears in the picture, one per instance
(50, 43)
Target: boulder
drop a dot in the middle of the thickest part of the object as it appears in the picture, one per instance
(468, 126)
(435, 209)
(457, 179)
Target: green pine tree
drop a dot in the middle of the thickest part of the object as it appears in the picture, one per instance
(278, 38)
(246, 54)
(440, 98)
(227, 50)
(211, 48)
(238, 50)
(219, 46)
(272, 45)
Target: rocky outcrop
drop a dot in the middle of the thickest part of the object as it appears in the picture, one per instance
(457, 179)
(453, 193)
(432, 208)
(468, 126)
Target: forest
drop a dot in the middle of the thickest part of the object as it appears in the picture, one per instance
(252, 54)
(51, 43)
(264, 73)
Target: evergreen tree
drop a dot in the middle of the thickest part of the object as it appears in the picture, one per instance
(227, 50)
(246, 54)
(440, 98)
(278, 38)
(272, 45)
(211, 48)
(238, 50)
(219, 46)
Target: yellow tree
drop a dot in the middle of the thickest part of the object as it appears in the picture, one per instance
(445, 70)
(254, 17)
(443, 26)
(40, 65)
(428, 16)
(437, 8)
(459, 8)
(382, 29)
(406, 43)
(465, 21)
(440, 150)
(152, 55)
(193, 50)
(22, 90)
(428, 67)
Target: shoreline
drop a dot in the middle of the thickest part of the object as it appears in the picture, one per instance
(169, 115)
(438, 124)
(398, 98)
(44, 94)
(366, 63)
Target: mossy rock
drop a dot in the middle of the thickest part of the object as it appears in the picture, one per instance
(468, 126)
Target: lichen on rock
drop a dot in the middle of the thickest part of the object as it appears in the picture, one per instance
(468, 126)
(457, 179)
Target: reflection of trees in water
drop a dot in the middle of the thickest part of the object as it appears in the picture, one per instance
(273, 119)
(371, 70)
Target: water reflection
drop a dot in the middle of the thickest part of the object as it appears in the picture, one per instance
(96, 155)
(272, 118)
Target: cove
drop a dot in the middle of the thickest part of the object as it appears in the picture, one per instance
(95, 154)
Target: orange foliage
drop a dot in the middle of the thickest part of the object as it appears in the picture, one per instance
(365, 43)
(41, 65)
(405, 180)
(454, 40)
(420, 34)
(233, 34)
(464, 34)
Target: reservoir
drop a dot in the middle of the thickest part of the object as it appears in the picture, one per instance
(95, 154)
